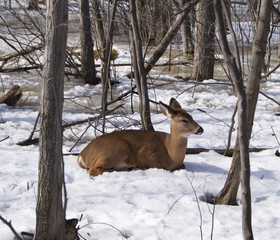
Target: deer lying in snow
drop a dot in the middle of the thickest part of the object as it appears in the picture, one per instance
(143, 149)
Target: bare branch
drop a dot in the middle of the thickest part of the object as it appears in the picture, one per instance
(9, 224)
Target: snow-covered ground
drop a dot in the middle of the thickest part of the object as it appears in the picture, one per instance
(150, 204)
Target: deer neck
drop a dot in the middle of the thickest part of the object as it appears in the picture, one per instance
(176, 147)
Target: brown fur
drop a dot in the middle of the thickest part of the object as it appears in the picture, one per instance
(140, 148)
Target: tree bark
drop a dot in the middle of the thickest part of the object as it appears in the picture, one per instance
(203, 64)
(140, 74)
(99, 27)
(50, 213)
(229, 192)
(187, 38)
(159, 51)
(33, 5)
(87, 56)
(243, 138)
(161, 12)
(105, 71)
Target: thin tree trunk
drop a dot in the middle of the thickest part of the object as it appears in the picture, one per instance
(140, 74)
(258, 56)
(50, 213)
(242, 123)
(87, 57)
(33, 5)
(229, 192)
(99, 27)
(142, 22)
(172, 32)
(105, 71)
(161, 18)
(187, 39)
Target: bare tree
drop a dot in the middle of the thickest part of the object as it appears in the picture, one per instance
(229, 192)
(236, 75)
(140, 74)
(50, 211)
(171, 33)
(161, 16)
(105, 71)
(98, 22)
(33, 5)
(186, 31)
(203, 66)
(87, 56)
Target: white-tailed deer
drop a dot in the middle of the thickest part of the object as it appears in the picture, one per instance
(143, 149)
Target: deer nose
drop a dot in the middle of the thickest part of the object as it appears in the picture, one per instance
(200, 131)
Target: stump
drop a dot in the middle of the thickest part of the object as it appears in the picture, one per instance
(12, 97)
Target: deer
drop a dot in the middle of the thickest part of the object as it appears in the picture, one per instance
(142, 149)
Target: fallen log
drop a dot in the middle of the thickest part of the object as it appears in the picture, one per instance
(22, 52)
(21, 69)
(12, 96)
(220, 151)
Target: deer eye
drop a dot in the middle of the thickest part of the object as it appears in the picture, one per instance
(184, 121)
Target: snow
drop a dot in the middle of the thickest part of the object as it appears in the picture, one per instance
(153, 204)
(150, 204)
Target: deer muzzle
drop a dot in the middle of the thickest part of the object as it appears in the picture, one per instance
(199, 131)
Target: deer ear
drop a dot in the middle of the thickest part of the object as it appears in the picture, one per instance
(166, 110)
(174, 104)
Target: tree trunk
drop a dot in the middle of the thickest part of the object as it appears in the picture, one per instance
(253, 8)
(87, 57)
(142, 16)
(161, 12)
(140, 74)
(33, 5)
(105, 71)
(187, 39)
(50, 213)
(229, 192)
(99, 28)
(172, 32)
(243, 136)
(203, 65)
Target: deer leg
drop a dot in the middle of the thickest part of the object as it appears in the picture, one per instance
(108, 166)
(95, 171)
(111, 160)
(183, 166)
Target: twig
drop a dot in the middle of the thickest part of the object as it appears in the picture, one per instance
(107, 224)
(272, 71)
(80, 137)
(9, 224)
(175, 203)
(270, 98)
(70, 124)
(206, 198)
(2, 140)
(198, 206)
(34, 127)
(231, 129)
(124, 95)
(213, 117)
(275, 135)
